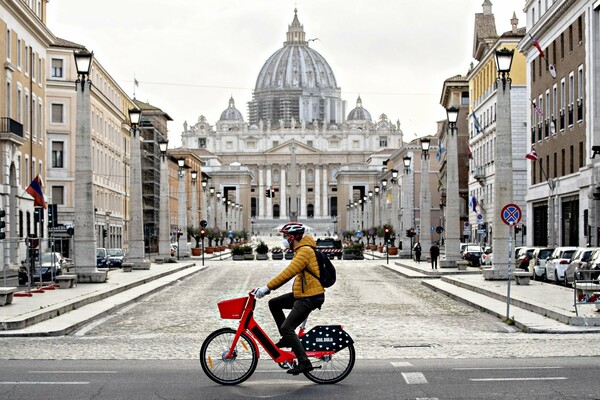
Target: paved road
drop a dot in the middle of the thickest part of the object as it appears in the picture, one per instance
(476, 379)
(390, 317)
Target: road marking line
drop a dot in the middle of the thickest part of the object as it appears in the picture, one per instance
(414, 378)
(550, 378)
(72, 372)
(501, 368)
(401, 364)
(44, 383)
(427, 398)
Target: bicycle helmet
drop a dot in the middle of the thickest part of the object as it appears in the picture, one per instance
(292, 230)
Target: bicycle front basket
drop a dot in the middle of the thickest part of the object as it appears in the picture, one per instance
(233, 308)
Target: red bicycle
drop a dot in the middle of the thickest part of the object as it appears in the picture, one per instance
(230, 356)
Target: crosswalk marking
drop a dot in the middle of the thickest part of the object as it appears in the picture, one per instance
(414, 378)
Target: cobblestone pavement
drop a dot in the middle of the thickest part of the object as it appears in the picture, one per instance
(389, 317)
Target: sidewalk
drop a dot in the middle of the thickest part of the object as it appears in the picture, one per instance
(37, 315)
(535, 308)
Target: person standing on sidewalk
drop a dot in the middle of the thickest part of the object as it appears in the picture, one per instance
(434, 253)
(417, 250)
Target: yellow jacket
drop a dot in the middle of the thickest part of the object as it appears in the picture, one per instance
(304, 258)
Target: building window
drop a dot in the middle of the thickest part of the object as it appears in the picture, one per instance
(334, 144)
(580, 29)
(57, 154)
(8, 44)
(229, 145)
(570, 38)
(201, 143)
(58, 195)
(251, 144)
(562, 45)
(571, 159)
(571, 97)
(383, 141)
(275, 143)
(580, 93)
(57, 68)
(57, 113)
(581, 155)
(309, 143)
(555, 165)
(8, 99)
(355, 144)
(19, 53)
(19, 105)
(563, 163)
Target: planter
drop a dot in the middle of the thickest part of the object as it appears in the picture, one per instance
(277, 256)
(348, 256)
(380, 249)
(462, 265)
(209, 250)
(262, 256)
(248, 256)
(196, 251)
(392, 251)
(127, 267)
(238, 257)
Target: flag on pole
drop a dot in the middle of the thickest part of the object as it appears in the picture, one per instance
(473, 204)
(388, 201)
(537, 46)
(532, 155)
(537, 110)
(439, 153)
(476, 123)
(469, 152)
(135, 82)
(35, 190)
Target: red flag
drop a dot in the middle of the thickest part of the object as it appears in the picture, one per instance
(537, 46)
(35, 190)
(469, 152)
(532, 156)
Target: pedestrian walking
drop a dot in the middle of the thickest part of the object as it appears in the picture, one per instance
(417, 250)
(434, 253)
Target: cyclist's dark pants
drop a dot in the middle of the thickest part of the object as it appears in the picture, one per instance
(300, 309)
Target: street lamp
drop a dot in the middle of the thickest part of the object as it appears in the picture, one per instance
(503, 183)
(136, 250)
(194, 176)
(181, 205)
(394, 175)
(84, 243)
(425, 204)
(164, 232)
(384, 184)
(452, 242)
(407, 160)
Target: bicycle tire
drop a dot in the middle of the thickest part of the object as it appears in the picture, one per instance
(228, 372)
(333, 370)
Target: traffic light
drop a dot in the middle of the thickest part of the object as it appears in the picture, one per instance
(272, 192)
(202, 233)
(517, 228)
(203, 223)
(2, 224)
(408, 233)
(268, 192)
(179, 233)
(52, 215)
(104, 232)
(386, 234)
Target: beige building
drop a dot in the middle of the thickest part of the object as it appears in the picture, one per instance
(24, 39)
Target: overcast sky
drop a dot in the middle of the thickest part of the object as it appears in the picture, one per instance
(191, 56)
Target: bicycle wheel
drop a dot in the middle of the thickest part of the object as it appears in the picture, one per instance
(334, 368)
(228, 371)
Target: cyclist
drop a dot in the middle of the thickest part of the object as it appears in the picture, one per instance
(307, 295)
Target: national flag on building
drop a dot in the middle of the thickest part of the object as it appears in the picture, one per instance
(389, 198)
(35, 190)
(476, 123)
(532, 155)
(439, 153)
(537, 46)
(473, 203)
(469, 152)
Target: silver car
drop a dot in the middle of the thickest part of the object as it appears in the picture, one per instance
(579, 262)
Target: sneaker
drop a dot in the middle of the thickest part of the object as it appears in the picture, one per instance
(301, 368)
(282, 344)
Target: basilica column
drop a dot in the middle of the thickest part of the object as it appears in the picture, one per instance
(303, 214)
(317, 173)
(261, 192)
(283, 195)
(269, 200)
(325, 195)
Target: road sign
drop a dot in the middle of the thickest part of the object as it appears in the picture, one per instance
(511, 214)
(466, 224)
(479, 217)
(230, 234)
(359, 234)
(439, 229)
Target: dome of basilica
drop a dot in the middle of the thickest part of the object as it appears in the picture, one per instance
(295, 66)
(231, 113)
(359, 113)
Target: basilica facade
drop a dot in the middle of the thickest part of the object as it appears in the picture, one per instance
(300, 155)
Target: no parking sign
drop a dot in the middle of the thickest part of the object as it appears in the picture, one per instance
(511, 214)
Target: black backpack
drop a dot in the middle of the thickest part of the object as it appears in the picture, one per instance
(326, 270)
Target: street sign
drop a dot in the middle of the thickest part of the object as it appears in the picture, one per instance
(359, 234)
(432, 228)
(466, 224)
(439, 229)
(511, 214)
(230, 234)
(479, 217)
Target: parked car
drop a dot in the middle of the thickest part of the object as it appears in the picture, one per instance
(579, 262)
(115, 257)
(558, 262)
(102, 258)
(538, 262)
(472, 253)
(49, 266)
(524, 256)
(487, 258)
(594, 267)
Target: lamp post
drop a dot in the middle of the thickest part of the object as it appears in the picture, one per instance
(408, 206)
(384, 183)
(378, 212)
(84, 239)
(194, 178)
(181, 207)
(425, 204)
(164, 231)
(452, 242)
(135, 254)
(218, 209)
(503, 188)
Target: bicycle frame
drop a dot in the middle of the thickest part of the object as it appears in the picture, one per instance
(249, 325)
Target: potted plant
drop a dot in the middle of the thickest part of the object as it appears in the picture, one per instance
(262, 251)
(195, 233)
(237, 253)
(277, 253)
(248, 255)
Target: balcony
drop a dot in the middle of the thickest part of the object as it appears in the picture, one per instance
(11, 131)
(479, 175)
